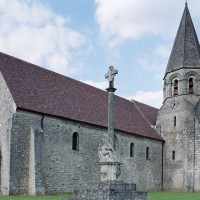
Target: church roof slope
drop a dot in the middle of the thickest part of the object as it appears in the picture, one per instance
(37, 89)
(149, 112)
(186, 51)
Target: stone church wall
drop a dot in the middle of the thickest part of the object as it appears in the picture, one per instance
(182, 137)
(7, 108)
(21, 164)
(146, 173)
(65, 168)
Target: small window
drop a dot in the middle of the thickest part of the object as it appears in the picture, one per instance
(174, 120)
(191, 86)
(175, 87)
(147, 153)
(132, 150)
(173, 155)
(115, 143)
(75, 141)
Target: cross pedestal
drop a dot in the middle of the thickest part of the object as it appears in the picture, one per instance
(110, 171)
(110, 166)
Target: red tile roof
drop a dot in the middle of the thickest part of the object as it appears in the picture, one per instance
(40, 90)
(149, 112)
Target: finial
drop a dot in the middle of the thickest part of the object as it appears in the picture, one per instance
(186, 3)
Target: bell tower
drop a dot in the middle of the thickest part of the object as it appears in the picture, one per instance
(179, 117)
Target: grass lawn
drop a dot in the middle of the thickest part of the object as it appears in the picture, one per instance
(150, 196)
(173, 196)
(24, 197)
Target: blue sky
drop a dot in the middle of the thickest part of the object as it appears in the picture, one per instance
(82, 38)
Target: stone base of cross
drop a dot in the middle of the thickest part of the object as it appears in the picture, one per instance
(110, 171)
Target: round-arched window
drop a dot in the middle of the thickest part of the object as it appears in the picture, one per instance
(75, 141)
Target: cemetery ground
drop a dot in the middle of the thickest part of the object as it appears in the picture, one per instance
(150, 196)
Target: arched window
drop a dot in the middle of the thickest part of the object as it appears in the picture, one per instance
(173, 155)
(191, 86)
(115, 145)
(175, 87)
(147, 153)
(132, 150)
(75, 141)
(174, 120)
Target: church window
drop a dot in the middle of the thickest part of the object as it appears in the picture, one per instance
(175, 87)
(173, 155)
(174, 120)
(147, 153)
(132, 150)
(191, 86)
(115, 143)
(75, 141)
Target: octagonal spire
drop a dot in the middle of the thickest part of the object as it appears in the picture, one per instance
(186, 51)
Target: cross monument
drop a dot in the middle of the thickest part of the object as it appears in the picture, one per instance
(110, 76)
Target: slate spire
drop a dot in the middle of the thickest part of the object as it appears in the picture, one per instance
(186, 50)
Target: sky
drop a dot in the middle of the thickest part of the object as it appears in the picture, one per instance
(82, 38)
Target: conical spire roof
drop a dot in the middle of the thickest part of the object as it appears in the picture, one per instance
(186, 50)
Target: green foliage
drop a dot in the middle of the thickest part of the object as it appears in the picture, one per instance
(173, 196)
(25, 197)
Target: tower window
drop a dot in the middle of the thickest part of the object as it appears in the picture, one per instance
(174, 120)
(175, 87)
(75, 141)
(132, 150)
(191, 86)
(147, 153)
(173, 155)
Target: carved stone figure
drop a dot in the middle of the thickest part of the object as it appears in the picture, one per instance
(106, 153)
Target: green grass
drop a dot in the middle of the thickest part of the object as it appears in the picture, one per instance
(150, 196)
(24, 197)
(173, 196)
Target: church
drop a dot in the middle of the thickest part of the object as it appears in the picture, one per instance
(51, 127)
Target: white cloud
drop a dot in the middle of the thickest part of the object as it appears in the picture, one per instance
(156, 61)
(33, 32)
(101, 85)
(152, 64)
(131, 19)
(150, 98)
(163, 51)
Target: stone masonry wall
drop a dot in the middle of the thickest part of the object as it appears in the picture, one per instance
(66, 168)
(196, 170)
(23, 172)
(7, 108)
(181, 137)
(146, 173)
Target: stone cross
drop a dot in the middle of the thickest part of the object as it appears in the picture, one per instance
(110, 76)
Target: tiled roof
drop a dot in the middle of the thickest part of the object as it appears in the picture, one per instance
(37, 89)
(149, 112)
(186, 51)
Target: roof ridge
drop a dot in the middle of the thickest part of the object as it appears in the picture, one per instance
(184, 33)
(144, 104)
(141, 113)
